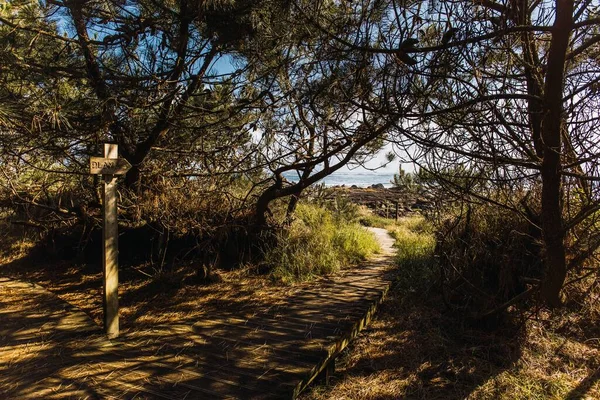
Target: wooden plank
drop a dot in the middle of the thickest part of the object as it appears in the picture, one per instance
(330, 322)
(157, 376)
(267, 335)
(334, 310)
(306, 350)
(340, 299)
(341, 343)
(278, 325)
(211, 355)
(223, 347)
(109, 166)
(275, 352)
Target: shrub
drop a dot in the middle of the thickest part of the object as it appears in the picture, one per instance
(487, 255)
(409, 181)
(318, 243)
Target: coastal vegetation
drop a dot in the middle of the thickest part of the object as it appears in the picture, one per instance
(216, 104)
(220, 101)
(319, 242)
(447, 349)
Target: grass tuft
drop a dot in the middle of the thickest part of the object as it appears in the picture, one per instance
(415, 242)
(318, 243)
(367, 218)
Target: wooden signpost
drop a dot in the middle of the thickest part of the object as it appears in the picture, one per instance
(110, 166)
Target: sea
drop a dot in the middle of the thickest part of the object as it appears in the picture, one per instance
(360, 178)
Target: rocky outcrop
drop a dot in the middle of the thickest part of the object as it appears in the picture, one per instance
(384, 201)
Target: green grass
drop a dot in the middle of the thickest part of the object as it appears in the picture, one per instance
(369, 219)
(415, 242)
(318, 243)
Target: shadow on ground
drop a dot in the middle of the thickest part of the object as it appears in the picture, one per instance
(413, 351)
(237, 338)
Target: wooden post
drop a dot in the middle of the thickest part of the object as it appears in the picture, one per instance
(397, 210)
(111, 248)
(329, 372)
(324, 377)
(110, 166)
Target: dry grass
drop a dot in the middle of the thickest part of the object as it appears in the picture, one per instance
(14, 244)
(415, 349)
(411, 350)
(151, 301)
(150, 307)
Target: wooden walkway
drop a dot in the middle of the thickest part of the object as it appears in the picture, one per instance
(52, 351)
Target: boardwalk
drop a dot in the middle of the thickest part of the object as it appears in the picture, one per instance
(268, 354)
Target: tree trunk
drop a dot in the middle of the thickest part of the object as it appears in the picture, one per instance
(262, 205)
(552, 191)
(132, 178)
(291, 208)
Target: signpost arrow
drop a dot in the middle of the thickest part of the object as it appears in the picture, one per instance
(110, 166)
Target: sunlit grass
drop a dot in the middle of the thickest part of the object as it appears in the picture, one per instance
(318, 243)
(13, 245)
(415, 244)
(367, 218)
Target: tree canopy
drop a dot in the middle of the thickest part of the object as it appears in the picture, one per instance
(233, 95)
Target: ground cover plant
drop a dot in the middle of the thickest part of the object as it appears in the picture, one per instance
(319, 242)
(419, 346)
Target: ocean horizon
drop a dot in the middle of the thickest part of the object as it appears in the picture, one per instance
(349, 178)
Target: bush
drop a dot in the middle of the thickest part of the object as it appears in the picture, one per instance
(318, 243)
(173, 221)
(487, 256)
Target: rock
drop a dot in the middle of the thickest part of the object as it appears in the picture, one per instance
(378, 186)
(353, 187)
(422, 204)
